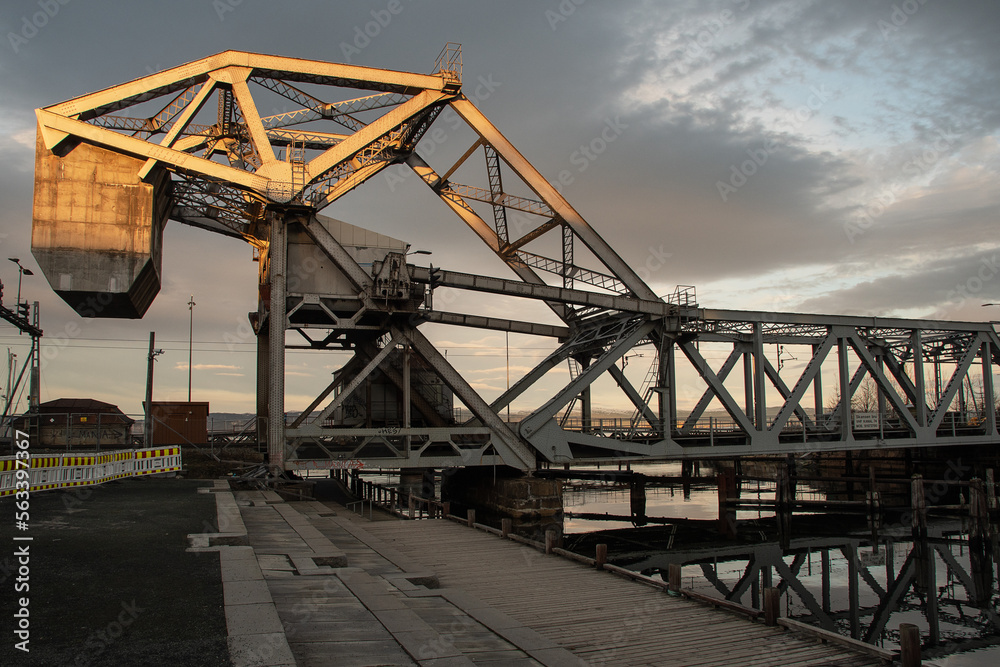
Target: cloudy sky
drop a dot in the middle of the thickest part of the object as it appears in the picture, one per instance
(797, 156)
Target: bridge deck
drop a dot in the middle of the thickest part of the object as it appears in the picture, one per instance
(495, 600)
(599, 617)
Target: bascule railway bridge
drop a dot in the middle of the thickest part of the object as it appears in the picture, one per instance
(189, 144)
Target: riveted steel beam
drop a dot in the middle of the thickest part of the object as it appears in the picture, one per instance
(479, 283)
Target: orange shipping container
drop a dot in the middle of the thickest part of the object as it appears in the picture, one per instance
(179, 423)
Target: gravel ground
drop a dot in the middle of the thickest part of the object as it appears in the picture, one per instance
(110, 580)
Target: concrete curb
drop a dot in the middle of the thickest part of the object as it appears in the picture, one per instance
(256, 635)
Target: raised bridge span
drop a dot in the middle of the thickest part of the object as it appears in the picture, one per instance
(189, 144)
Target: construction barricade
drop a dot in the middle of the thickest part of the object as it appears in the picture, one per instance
(65, 470)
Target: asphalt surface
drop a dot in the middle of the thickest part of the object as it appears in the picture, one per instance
(110, 580)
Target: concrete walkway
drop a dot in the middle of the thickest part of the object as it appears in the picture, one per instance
(345, 601)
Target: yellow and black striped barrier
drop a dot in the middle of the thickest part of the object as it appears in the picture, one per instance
(75, 469)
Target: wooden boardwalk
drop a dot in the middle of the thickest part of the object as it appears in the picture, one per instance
(601, 618)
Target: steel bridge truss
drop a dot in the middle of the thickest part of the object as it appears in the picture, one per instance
(264, 178)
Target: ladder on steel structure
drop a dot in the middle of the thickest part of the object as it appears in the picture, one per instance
(648, 389)
(574, 373)
(297, 158)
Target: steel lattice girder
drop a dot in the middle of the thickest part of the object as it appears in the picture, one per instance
(249, 140)
(257, 196)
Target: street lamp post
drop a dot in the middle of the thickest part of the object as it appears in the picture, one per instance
(191, 305)
(21, 271)
(147, 425)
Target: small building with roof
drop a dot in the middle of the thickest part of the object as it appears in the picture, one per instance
(78, 423)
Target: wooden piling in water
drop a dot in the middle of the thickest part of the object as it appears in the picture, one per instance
(471, 518)
(551, 539)
(991, 490)
(505, 526)
(600, 556)
(792, 470)
(727, 514)
(918, 504)
(781, 489)
(909, 645)
(674, 578)
(772, 606)
(978, 514)
(637, 496)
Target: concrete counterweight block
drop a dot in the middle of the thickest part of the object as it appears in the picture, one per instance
(97, 229)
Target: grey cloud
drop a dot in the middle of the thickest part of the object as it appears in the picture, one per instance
(654, 186)
(941, 286)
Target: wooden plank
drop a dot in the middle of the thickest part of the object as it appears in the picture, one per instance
(595, 615)
(834, 638)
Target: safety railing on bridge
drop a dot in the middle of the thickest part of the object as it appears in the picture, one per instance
(233, 433)
(865, 425)
(398, 502)
(684, 296)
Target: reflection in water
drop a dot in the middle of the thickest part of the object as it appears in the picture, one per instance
(838, 572)
(696, 500)
(860, 588)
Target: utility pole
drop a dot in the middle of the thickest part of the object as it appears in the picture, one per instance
(147, 428)
(507, 344)
(191, 305)
(35, 376)
(6, 399)
(10, 371)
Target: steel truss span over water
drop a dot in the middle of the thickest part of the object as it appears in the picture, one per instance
(192, 145)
